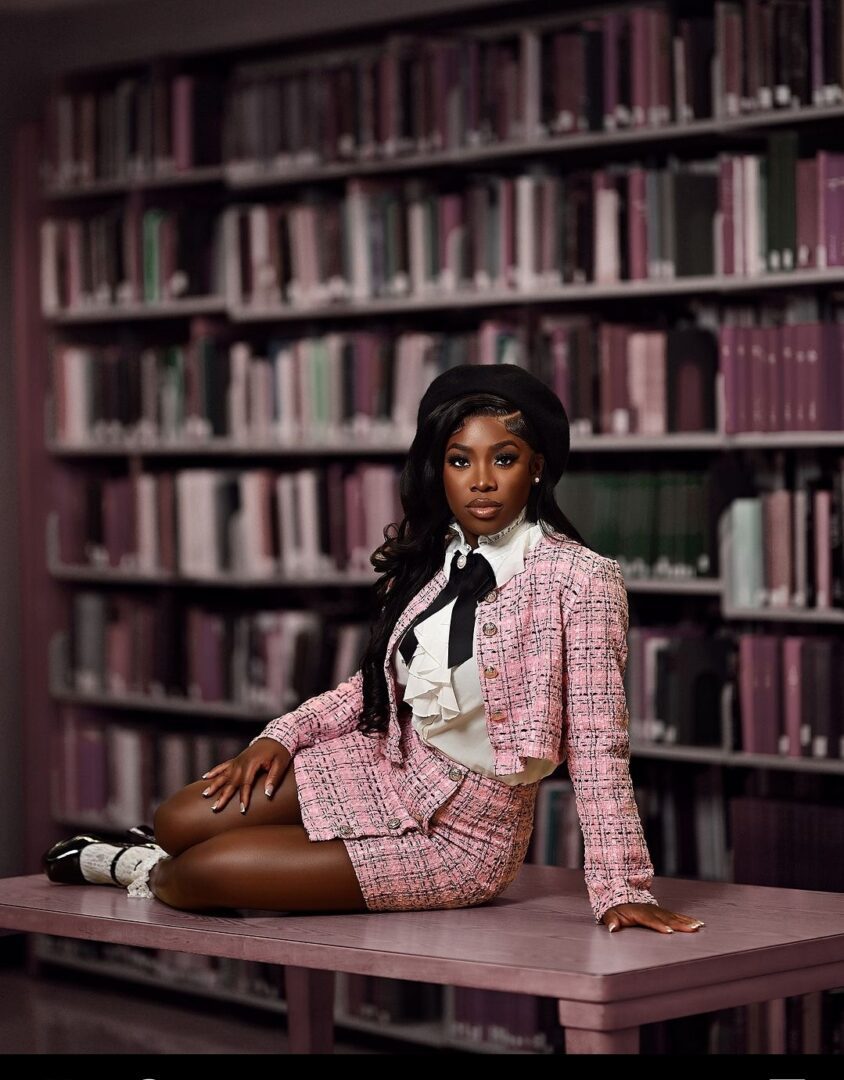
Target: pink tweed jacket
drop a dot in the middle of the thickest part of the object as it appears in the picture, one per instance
(551, 647)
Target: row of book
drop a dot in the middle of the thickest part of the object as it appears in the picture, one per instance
(156, 124)
(413, 93)
(783, 547)
(205, 523)
(778, 547)
(755, 693)
(118, 774)
(265, 661)
(736, 215)
(683, 813)
(128, 254)
(295, 388)
(613, 377)
(631, 67)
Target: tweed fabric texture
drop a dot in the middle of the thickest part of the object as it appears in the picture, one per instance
(552, 678)
(419, 854)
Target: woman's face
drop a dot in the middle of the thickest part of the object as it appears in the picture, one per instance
(486, 462)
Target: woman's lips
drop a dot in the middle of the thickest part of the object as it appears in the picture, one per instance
(483, 511)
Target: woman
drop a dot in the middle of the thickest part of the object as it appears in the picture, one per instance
(506, 636)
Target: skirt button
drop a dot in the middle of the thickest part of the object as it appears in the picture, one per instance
(394, 823)
(346, 830)
(454, 773)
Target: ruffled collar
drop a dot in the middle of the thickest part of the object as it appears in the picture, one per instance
(504, 550)
(429, 689)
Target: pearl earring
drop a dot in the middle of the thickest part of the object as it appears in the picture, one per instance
(536, 479)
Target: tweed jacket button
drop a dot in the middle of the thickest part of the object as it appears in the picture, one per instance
(394, 823)
(454, 773)
(491, 673)
(498, 716)
(490, 629)
(490, 596)
(346, 830)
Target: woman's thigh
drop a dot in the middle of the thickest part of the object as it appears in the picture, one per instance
(274, 867)
(186, 818)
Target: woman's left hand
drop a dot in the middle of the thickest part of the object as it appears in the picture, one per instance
(650, 915)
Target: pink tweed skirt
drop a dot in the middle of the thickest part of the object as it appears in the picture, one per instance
(458, 851)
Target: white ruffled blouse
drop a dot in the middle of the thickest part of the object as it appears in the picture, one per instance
(447, 703)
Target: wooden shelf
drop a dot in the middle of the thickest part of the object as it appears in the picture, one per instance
(735, 758)
(468, 300)
(209, 174)
(167, 704)
(832, 616)
(357, 446)
(168, 309)
(114, 575)
(352, 445)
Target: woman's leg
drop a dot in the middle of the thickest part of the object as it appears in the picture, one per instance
(186, 818)
(275, 867)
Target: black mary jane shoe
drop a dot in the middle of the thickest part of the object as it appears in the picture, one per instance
(61, 862)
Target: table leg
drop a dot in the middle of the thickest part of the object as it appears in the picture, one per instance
(776, 1035)
(620, 1041)
(310, 1010)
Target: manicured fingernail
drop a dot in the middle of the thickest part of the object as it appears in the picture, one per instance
(242, 808)
(612, 927)
(268, 790)
(668, 930)
(207, 791)
(214, 807)
(205, 776)
(699, 924)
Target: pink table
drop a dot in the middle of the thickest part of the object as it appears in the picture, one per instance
(759, 944)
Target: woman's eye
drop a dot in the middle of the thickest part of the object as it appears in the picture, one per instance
(509, 458)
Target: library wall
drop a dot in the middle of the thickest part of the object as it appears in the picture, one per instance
(34, 46)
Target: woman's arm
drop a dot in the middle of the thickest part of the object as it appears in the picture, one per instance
(322, 717)
(617, 864)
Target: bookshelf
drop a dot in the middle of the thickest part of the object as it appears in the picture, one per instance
(291, 209)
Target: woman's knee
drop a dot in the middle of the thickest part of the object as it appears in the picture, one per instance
(175, 820)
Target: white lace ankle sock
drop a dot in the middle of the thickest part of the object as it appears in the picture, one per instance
(95, 862)
(138, 887)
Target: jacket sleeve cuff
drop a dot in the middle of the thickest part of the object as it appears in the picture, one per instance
(283, 733)
(321, 718)
(602, 901)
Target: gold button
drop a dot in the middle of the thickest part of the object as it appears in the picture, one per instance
(490, 596)
(454, 773)
(346, 830)
(498, 717)
(490, 629)
(491, 672)
(394, 823)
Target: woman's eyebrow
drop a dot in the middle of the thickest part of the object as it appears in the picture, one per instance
(495, 446)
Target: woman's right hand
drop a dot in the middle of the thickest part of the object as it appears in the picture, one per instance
(240, 772)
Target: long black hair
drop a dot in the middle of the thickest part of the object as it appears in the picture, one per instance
(411, 555)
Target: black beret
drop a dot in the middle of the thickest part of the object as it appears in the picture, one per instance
(536, 400)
